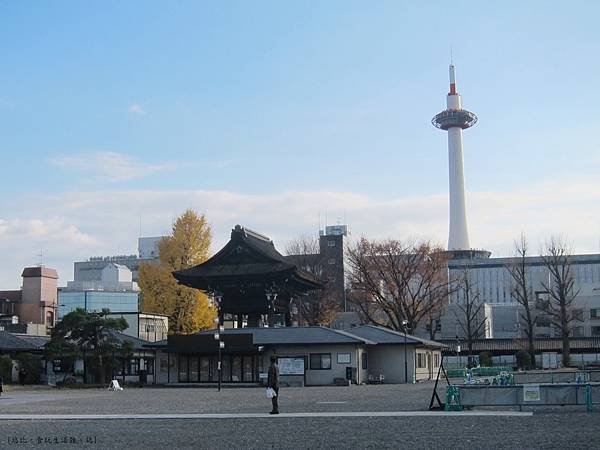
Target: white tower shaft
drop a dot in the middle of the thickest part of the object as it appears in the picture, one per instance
(454, 119)
(458, 235)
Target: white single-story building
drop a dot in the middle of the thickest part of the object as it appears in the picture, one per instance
(308, 356)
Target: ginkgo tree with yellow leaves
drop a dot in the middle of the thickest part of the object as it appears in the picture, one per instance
(188, 245)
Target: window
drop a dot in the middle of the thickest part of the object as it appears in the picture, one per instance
(150, 366)
(542, 321)
(320, 361)
(133, 366)
(595, 331)
(578, 315)
(365, 364)
(594, 313)
(577, 332)
(331, 261)
(331, 243)
(344, 358)
(436, 360)
(421, 361)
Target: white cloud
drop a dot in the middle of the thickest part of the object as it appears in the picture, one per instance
(77, 225)
(136, 109)
(109, 166)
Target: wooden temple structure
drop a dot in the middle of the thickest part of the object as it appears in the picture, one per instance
(250, 281)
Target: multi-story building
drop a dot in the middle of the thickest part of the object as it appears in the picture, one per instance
(147, 252)
(493, 284)
(331, 250)
(36, 302)
(328, 264)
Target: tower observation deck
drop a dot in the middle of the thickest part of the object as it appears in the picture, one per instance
(454, 119)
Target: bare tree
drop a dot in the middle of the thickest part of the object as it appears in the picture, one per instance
(433, 317)
(315, 307)
(468, 310)
(521, 292)
(561, 291)
(396, 281)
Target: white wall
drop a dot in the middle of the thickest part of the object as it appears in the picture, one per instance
(319, 377)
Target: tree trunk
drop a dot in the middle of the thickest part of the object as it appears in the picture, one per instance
(566, 350)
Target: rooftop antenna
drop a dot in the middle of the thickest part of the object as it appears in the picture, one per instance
(140, 226)
(41, 255)
(451, 59)
(319, 230)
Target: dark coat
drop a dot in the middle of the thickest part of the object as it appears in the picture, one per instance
(273, 377)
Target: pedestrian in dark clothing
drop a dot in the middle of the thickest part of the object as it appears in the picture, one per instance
(1, 383)
(273, 383)
(22, 376)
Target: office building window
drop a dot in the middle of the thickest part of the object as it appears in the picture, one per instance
(594, 313)
(320, 361)
(331, 243)
(577, 332)
(331, 261)
(578, 315)
(595, 331)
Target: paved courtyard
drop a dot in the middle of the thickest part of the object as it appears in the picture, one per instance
(391, 416)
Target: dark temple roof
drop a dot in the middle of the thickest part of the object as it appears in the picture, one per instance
(21, 342)
(248, 256)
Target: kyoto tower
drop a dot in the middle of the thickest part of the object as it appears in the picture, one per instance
(454, 119)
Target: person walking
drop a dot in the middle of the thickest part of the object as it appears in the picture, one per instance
(1, 383)
(273, 383)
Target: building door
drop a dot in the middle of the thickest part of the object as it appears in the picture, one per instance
(429, 365)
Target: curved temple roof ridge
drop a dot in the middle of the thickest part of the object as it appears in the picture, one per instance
(249, 232)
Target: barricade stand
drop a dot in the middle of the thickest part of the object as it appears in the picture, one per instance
(434, 395)
(453, 399)
(588, 398)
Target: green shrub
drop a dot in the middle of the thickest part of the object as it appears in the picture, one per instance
(32, 364)
(6, 368)
(523, 359)
(485, 359)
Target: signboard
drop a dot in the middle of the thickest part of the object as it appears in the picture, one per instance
(291, 366)
(531, 393)
(343, 358)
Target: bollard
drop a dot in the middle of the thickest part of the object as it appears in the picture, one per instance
(588, 398)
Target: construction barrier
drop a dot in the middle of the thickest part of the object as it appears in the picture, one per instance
(561, 394)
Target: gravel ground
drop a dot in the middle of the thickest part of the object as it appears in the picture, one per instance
(547, 428)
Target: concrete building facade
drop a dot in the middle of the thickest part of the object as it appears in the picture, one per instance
(36, 301)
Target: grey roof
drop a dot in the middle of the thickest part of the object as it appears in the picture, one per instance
(381, 335)
(12, 341)
(297, 335)
(138, 344)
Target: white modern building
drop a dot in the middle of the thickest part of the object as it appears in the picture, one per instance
(492, 281)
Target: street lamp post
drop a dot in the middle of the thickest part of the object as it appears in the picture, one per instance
(221, 344)
(458, 351)
(404, 325)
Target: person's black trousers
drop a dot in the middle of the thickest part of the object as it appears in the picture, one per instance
(274, 401)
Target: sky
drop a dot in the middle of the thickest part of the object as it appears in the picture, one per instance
(115, 117)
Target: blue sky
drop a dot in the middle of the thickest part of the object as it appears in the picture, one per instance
(270, 113)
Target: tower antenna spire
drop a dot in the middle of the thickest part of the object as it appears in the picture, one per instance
(451, 60)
